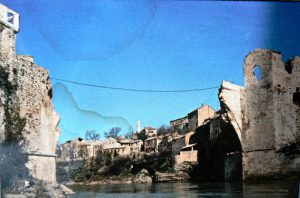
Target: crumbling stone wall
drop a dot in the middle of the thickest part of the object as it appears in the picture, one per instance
(32, 98)
(265, 114)
(270, 118)
(230, 100)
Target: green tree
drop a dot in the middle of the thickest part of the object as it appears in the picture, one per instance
(142, 135)
(162, 130)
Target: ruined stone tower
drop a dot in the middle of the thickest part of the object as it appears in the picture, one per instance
(265, 114)
(270, 113)
(25, 102)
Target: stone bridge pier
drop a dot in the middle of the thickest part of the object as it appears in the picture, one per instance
(29, 99)
(266, 114)
(256, 134)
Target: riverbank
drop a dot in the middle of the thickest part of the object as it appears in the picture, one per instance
(142, 177)
(108, 180)
(169, 190)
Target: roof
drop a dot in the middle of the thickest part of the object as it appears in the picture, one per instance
(189, 146)
(206, 105)
(178, 137)
(134, 141)
(127, 141)
(185, 117)
(151, 138)
(113, 147)
(151, 128)
(84, 143)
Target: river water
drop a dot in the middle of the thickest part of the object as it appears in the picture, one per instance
(183, 190)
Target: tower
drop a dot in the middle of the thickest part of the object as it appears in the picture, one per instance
(9, 26)
(138, 126)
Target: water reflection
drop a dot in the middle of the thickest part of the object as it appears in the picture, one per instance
(182, 190)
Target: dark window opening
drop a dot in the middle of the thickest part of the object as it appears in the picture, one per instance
(50, 93)
(288, 66)
(10, 18)
(258, 72)
(296, 98)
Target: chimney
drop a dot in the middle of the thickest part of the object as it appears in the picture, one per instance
(9, 26)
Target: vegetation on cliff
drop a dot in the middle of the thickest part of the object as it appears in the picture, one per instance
(14, 124)
(103, 166)
(12, 158)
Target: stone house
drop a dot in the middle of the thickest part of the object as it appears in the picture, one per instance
(197, 117)
(79, 148)
(74, 149)
(110, 145)
(151, 144)
(183, 150)
(134, 146)
(177, 143)
(188, 153)
(180, 123)
(150, 131)
(116, 150)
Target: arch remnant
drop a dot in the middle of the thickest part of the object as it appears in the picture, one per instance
(266, 114)
(219, 151)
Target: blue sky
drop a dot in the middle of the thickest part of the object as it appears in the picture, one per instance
(146, 45)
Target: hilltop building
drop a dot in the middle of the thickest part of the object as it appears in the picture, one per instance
(79, 148)
(197, 117)
(180, 123)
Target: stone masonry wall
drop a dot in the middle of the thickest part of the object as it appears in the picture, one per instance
(205, 113)
(258, 103)
(230, 99)
(270, 118)
(33, 99)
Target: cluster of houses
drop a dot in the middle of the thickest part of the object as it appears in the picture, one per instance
(176, 141)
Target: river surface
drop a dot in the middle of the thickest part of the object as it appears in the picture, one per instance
(183, 190)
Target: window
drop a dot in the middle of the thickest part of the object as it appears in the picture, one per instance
(296, 98)
(10, 18)
(258, 72)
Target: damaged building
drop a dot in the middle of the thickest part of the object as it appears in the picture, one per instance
(256, 132)
(26, 110)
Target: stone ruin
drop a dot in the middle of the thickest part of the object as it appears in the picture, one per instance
(26, 109)
(257, 128)
(270, 115)
(257, 131)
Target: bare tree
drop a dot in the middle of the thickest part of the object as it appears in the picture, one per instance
(92, 135)
(114, 132)
(129, 133)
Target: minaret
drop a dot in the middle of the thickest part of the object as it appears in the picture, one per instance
(139, 128)
(9, 26)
